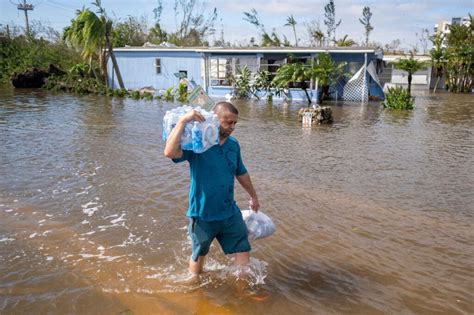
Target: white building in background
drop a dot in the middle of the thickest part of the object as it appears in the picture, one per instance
(443, 26)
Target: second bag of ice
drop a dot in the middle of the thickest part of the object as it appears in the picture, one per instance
(198, 137)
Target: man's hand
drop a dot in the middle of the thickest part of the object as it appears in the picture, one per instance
(173, 144)
(254, 205)
(192, 115)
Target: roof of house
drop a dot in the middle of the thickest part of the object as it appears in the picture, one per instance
(405, 56)
(251, 49)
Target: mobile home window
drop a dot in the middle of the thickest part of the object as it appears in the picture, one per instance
(220, 71)
(158, 65)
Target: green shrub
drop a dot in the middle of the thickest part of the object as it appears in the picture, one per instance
(147, 95)
(21, 53)
(120, 92)
(135, 95)
(398, 98)
(182, 92)
(168, 95)
(74, 83)
(241, 83)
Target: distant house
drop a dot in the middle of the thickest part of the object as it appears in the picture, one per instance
(421, 80)
(212, 68)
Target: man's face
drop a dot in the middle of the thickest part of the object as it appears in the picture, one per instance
(228, 120)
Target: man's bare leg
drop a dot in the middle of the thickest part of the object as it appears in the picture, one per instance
(242, 259)
(196, 266)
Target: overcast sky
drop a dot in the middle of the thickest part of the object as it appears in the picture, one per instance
(394, 19)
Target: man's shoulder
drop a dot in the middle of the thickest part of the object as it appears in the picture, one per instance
(233, 140)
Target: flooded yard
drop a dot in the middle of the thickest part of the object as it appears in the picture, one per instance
(374, 213)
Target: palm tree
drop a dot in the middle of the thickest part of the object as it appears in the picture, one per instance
(92, 34)
(319, 37)
(157, 35)
(85, 32)
(290, 21)
(323, 69)
(316, 36)
(345, 42)
(410, 65)
(293, 73)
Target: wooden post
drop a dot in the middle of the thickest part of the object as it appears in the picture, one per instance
(206, 74)
(317, 88)
(364, 86)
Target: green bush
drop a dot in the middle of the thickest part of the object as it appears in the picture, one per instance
(168, 95)
(398, 98)
(120, 92)
(241, 83)
(20, 53)
(135, 95)
(148, 96)
(182, 92)
(76, 84)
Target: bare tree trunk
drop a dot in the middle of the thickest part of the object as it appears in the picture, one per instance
(104, 68)
(296, 38)
(117, 70)
(114, 62)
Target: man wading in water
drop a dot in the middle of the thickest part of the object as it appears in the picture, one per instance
(213, 212)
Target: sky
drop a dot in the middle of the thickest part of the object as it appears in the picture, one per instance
(393, 19)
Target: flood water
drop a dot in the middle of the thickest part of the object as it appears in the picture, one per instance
(374, 213)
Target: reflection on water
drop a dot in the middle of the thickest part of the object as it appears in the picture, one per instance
(374, 212)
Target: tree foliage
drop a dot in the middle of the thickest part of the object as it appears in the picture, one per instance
(157, 35)
(345, 41)
(316, 35)
(129, 32)
(365, 21)
(18, 53)
(323, 69)
(267, 39)
(438, 57)
(330, 20)
(194, 25)
(398, 98)
(92, 34)
(242, 83)
(460, 55)
(290, 21)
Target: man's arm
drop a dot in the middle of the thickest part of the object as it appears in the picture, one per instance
(246, 183)
(173, 144)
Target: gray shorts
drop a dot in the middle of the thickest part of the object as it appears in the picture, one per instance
(231, 234)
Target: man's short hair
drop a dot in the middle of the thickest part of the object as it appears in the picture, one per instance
(227, 106)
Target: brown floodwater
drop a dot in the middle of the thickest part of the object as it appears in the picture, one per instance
(374, 213)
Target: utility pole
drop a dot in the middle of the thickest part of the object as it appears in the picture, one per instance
(25, 7)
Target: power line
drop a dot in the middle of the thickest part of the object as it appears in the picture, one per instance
(64, 6)
(25, 7)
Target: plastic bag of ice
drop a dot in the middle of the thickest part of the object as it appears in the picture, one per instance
(259, 225)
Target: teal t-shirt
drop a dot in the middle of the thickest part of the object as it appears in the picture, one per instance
(211, 194)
